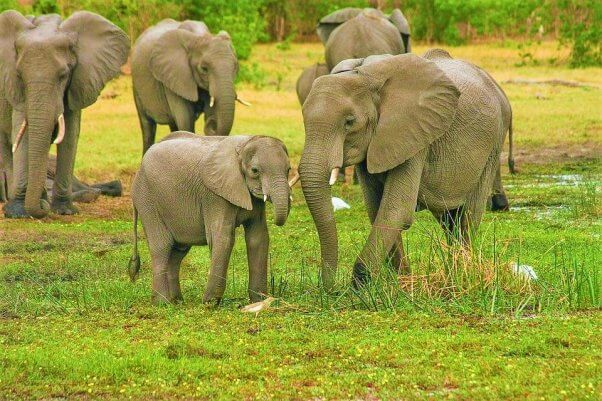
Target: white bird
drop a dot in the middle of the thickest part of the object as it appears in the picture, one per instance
(338, 204)
(525, 271)
(258, 306)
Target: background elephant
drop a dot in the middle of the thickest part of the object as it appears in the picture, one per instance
(51, 69)
(423, 132)
(180, 70)
(307, 78)
(80, 191)
(227, 179)
(355, 33)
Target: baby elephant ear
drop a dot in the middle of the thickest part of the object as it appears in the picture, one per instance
(221, 171)
(417, 105)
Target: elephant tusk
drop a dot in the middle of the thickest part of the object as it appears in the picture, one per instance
(211, 101)
(265, 198)
(19, 135)
(290, 197)
(243, 102)
(294, 180)
(334, 175)
(61, 134)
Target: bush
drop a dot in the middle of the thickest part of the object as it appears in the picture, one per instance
(581, 30)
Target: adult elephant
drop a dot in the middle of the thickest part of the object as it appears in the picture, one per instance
(307, 78)
(50, 70)
(424, 133)
(180, 70)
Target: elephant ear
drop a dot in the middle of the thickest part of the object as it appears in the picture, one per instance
(11, 24)
(101, 49)
(221, 171)
(170, 65)
(417, 105)
(331, 22)
(401, 23)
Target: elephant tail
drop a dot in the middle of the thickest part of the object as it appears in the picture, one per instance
(510, 149)
(134, 264)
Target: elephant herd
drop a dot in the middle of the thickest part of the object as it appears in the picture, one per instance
(422, 132)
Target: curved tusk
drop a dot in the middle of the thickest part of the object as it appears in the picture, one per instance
(290, 197)
(211, 101)
(243, 102)
(334, 175)
(294, 180)
(265, 198)
(61, 134)
(19, 135)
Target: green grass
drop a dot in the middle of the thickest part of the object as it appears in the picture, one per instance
(460, 327)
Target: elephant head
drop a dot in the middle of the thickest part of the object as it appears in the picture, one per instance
(186, 61)
(49, 66)
(380, 111)
(332, 21)
(240, 167)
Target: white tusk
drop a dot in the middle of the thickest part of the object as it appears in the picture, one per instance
(211, 101)
(61, 134)
(265, 198)
(334, 175)
(290, 197)
(294, 180)
(19, 135)
(243, 102)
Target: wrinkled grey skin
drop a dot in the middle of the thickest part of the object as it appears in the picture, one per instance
(307, 78)
(80, 191)
(423, 134)
(176, 68)
(50, 67)
(193, 190)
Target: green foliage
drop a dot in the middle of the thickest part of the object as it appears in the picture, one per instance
(581, 29)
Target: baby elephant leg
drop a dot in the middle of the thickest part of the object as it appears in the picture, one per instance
(258, 241)
(178, 253)
(221, 249)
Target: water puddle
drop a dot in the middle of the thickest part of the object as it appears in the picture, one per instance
(552, 180)
(540, 212)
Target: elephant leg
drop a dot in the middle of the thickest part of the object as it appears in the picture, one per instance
(112, 188)
(257, 241)
(182, 112)
(395, 213)
(6, 166)
(372, 190)
(499, 201)
(222, 242)
(178, 252)
(65, 161)
(147, 125)
(15, 207)
(452, 223)
(477, 200)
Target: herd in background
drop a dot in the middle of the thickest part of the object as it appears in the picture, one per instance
(422, 132)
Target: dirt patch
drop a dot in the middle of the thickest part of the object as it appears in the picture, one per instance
(561, 153)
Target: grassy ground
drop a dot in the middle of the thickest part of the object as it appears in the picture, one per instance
(460, 327)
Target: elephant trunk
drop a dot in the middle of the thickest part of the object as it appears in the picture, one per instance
(41, 123)
(315, 170)
(225, 97)
(279, 194)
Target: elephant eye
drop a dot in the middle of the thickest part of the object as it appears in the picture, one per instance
(254, 170)
(349, 120)
(203, 69)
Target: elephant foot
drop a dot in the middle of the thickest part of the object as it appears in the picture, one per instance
(15, 209)
(113, 188)
(86, 196)
(63, 207)
(361, 275)
(499, 203)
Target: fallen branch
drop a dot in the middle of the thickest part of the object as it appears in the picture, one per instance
(553, 82)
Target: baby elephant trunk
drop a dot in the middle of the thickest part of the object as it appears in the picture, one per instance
(280, 197)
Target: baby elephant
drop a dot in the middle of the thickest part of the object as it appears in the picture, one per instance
(195, 190)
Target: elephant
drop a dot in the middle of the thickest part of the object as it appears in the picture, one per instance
(180, 70)
(423, 132)
(80, 191)
(307, 78)
(51, 69)
(195, 190)
(355, 33)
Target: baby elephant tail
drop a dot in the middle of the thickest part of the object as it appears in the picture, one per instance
(510, 150)
(134, 264)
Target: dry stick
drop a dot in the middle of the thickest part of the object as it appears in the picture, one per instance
(553, 82)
